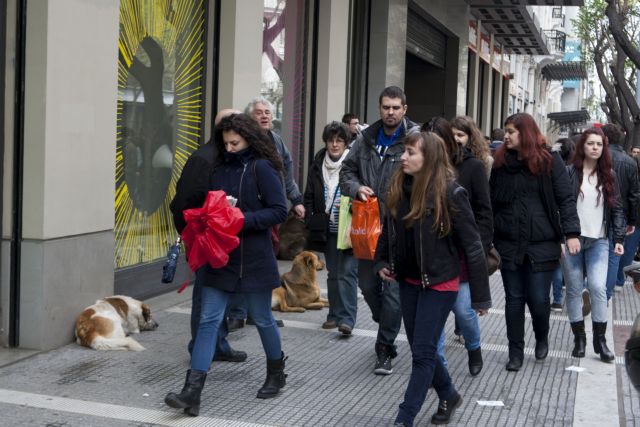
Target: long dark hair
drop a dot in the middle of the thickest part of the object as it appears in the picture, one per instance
(441, 127)
(429, 184)
(245, 126)
(533, 145)
(477, 143)
(603, 170)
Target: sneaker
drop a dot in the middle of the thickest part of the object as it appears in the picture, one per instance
(345, 329)
(329, 324)
(383, 365)
(618, 288)
(446, 408)
(460, 338)
(586, 303)
(556, 307)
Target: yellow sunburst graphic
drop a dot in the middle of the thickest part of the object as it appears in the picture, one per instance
(160, 94)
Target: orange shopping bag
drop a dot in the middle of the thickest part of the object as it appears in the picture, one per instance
(365, 227)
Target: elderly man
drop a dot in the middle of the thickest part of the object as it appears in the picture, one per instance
(262, 112)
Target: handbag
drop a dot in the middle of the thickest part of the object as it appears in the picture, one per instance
(365, 228)
(344, 223)
(494, 262)
(318, 224)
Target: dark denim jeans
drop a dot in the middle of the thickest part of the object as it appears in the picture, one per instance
(424, 312)
(213, 308)
(521, 286)
(383, 298)
(237, 307)
(222, 345)
(557, 281)
(342, 283)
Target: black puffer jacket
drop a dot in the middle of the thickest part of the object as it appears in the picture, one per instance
(472, 175)
(532, 214)
(627, 175)
(363, 165)
(614, 221)
(438, 257)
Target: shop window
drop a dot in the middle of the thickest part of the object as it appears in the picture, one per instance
(159, 119)
(284, 50)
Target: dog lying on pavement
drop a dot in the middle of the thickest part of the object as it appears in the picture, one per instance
(299, 289)
(106, 324)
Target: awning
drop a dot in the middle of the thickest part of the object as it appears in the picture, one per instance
(570, 70)
(514, 24)
(571, 119)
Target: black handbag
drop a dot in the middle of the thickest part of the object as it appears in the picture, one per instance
(318, 226)
(494, 262)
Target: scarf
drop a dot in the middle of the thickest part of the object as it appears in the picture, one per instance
(331, 176)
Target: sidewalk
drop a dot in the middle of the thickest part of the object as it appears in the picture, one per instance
(330, 379)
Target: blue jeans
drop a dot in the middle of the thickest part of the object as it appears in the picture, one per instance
(213, 307)
(222, 345)
(342, 283)
(594, 259)
(424, 312)
(556, 283)
(466, 320)
(630, 247)
(612, 270)
(383, 299)
(521, 286)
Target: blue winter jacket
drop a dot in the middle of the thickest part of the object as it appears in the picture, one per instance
(258, 187)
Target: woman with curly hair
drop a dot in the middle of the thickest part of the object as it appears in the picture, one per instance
(534, 211)
(467, 134)
(600, 210)
(429, 224)
(251, 171)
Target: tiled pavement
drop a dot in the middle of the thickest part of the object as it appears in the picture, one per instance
(330, 379)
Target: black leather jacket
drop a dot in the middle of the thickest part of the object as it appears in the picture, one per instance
(439, 257)
(627, 175)
(614, 221)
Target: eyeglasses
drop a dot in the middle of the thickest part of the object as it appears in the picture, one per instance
(336, 142)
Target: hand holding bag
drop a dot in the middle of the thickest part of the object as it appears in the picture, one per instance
(365, 227)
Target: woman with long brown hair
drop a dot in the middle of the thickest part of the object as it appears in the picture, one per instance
(534, 210)
(429, 223)
(600, 210)
(470, 174)
(467, 134)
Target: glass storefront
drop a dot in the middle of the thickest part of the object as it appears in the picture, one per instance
(160, 99)
(284, 50)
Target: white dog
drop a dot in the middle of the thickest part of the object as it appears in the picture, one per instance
(106, 324)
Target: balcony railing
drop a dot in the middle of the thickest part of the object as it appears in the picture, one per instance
(556, 41)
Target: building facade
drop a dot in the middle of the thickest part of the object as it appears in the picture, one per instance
(104, 100)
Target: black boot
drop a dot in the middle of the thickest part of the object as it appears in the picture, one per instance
(446, 408)
(276, 378)
(189, 397)
(542, 349)
(475, 361)
(580, 339)
(600, 343)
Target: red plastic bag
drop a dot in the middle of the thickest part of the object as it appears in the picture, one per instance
(365, 227)
(211, 231)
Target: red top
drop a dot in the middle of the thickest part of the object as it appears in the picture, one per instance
(452, 285)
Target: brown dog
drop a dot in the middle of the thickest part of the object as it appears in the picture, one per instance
(299, 289)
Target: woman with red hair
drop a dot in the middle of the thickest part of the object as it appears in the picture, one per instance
(600, 211)
(534, 210)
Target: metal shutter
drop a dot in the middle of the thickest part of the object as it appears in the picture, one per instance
(424, 40)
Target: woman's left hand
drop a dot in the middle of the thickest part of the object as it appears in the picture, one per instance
(618, 249)
(573, 245)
